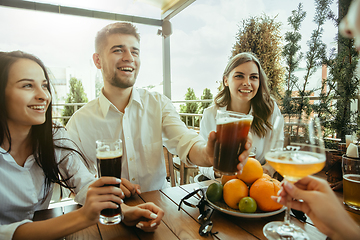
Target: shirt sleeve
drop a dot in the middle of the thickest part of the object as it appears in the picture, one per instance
(207, 124)
(7, 231)
(73, 134)
(178, 139)
(73, 168)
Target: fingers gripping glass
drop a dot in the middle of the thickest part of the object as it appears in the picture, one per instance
(205, 210)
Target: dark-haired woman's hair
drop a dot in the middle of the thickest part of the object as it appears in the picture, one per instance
(262, 104)
(43, 146)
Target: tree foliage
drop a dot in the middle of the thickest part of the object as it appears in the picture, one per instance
(190, 107)
(343, 85)
(261, 36)
(203, 105)
(292, 57)
(75, 95)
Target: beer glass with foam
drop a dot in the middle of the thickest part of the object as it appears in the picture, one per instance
(109, 155)
(232, 129)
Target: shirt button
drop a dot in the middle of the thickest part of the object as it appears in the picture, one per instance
(133, 179)
(131, 159)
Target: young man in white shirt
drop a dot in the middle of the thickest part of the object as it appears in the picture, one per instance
(145, 121)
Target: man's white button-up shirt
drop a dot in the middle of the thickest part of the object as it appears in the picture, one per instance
(148, 123)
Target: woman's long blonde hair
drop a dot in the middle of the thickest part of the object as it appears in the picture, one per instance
(262, 104)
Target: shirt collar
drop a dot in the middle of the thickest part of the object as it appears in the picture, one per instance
(135, 96)
(8, 158)
(224, 109)
(105, 104)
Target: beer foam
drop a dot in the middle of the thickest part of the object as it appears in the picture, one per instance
(109, 154)
(226, 120)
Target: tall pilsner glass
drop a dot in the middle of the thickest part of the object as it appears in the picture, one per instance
(303, 154)
(109, 155)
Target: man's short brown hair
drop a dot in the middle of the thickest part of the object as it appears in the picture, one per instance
(114, 28)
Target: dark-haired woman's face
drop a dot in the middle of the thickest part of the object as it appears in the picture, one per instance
(26, 94)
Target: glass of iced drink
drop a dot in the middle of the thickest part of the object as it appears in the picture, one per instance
(232, 129)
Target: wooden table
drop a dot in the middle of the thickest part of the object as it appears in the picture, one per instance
(183, 224)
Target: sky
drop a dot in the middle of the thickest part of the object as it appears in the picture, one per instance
(201, 43)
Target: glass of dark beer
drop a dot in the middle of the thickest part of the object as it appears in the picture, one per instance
(232, 129)
(109, 155)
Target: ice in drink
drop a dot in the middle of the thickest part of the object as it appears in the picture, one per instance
(294, 165)
(231, 136)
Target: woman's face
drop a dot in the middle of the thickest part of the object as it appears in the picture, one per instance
(350, 24)
(26, 94)
(243, 82)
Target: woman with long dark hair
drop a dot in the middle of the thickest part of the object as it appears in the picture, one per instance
(35, 154)
(245, 90)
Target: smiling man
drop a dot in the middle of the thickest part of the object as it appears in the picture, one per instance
(145, 121)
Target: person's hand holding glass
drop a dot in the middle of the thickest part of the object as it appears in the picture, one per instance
(302, 154)
(109, 155)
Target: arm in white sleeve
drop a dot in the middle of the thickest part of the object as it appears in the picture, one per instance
(207, 124)
(7, 231)
(178, 139)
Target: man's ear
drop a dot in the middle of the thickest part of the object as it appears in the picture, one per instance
(96, 59)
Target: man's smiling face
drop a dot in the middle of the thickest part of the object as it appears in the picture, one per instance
(119, 60)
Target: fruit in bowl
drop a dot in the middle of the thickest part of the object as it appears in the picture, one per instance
(214, 192)
(251, 171)
(262, 190)
(247, 205)
(234, 190)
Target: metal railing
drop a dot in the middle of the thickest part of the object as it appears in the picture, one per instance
(194, 116)
(57, 110)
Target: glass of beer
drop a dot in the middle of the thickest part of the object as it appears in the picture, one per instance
(301, 154)
(109, 155)
(351, 181)
(232, 129)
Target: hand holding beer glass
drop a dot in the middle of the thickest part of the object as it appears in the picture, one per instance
(302, 154)
(109, 155)
(232, 129)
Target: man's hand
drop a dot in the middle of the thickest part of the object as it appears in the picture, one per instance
(210, 148)
(245, 154)
(128, 188)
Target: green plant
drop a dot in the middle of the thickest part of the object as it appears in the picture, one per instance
(76, 95)
(190, 107)
(292, 57)
(261, 36)
(203, 105)
(343, 84)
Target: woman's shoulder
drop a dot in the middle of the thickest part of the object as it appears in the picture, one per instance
(211, 110)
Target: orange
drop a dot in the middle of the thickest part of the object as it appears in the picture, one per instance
(251, 171)
(262, 190)
(234, 190)
(225, 178)
(266, 176)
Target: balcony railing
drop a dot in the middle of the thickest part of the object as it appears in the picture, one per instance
(57, 109)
